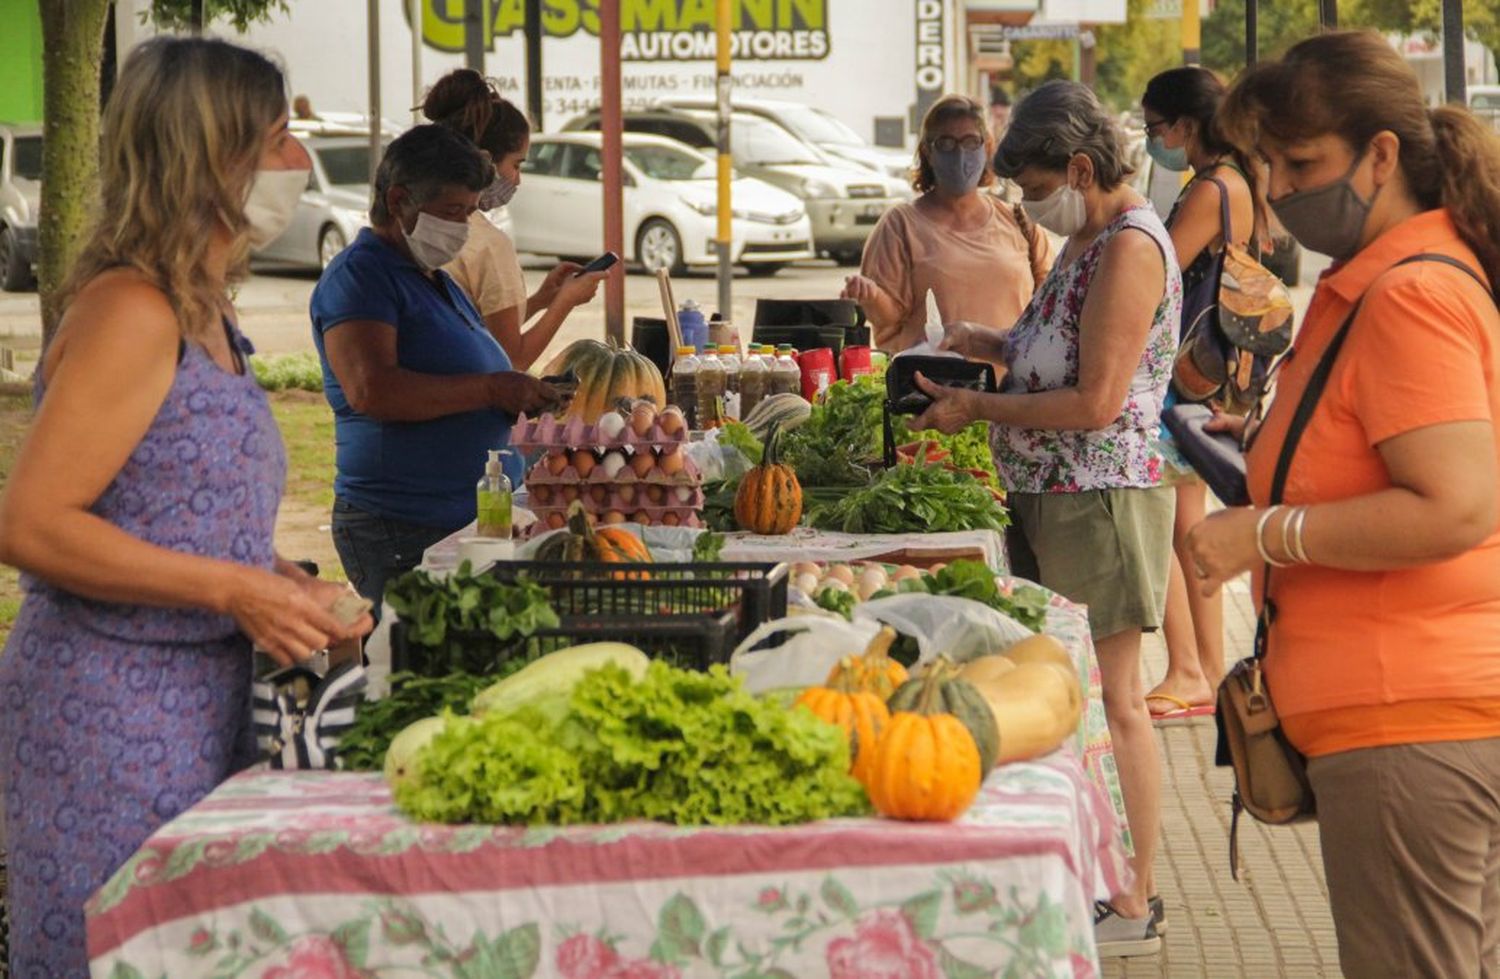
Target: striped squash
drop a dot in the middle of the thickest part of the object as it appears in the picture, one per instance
(769, 500)
(607, 373)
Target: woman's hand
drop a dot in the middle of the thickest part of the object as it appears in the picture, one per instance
(515, 392)
(1224, 422)
(950, 411)
(282, 616)
(862, 289)
(959, 337)
(1223, 547)
(577, 290)
(554, 281)
(327, 594)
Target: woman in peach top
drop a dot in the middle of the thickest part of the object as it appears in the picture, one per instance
(1384, 649)
(981, 262)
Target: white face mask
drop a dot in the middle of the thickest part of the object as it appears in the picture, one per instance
(273, 199)
(435, 242)
(1062, 212)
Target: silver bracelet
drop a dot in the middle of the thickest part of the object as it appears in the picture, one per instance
(1298, 550)
(1286, 535)
(1260, 539)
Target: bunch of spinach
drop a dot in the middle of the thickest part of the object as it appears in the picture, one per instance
(376, 722)
(468, 621)
(913, 499)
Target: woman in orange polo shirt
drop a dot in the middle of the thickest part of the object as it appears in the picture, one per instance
(1384, 656)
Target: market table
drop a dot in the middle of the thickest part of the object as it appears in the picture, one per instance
(283, 874)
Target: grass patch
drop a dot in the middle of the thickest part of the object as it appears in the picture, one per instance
(306, 424)
(15, 416)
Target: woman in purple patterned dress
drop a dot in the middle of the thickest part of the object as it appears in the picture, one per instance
(1074, 431)
(143, 501)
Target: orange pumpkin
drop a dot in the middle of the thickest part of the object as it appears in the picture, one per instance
(769, 500)
(584, 542)
(874, 671)
(925, 767)
(860, 713)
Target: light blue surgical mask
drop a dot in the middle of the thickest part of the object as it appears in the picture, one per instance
(1174, 158)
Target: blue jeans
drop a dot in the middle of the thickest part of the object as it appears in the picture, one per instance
(375, 549)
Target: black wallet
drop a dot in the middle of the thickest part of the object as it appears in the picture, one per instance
(903, 397)
(1215, 456)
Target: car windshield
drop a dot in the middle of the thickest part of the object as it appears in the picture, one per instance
(816, 126)
(765, 143)
(29, 157)
(669, 162)
(1485, 100)
(347, 165)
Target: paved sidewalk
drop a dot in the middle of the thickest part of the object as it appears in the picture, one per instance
(1274, 921)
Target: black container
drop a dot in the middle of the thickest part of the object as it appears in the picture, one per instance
(692, 614)
(690, 641)
(808, 324)
(649, 336)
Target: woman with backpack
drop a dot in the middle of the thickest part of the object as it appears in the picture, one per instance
(1374, 538)
(1179, 107)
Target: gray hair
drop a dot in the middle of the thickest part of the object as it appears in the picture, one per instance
(427, 160)
(1057, 121)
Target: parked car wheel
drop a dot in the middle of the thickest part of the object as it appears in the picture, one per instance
(846, 256)
(659, 246)
(331, 241)
(15, 271)
(764, 270)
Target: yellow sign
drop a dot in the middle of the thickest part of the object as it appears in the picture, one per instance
(652, 30)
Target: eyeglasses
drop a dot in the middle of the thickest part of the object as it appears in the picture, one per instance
(1158, 124)
(947, 144)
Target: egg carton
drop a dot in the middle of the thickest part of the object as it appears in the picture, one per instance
(550, 432)
(541, 473)
(632, 497)
(545, 522)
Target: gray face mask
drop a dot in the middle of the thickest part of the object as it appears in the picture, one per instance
(1328, 219)
(957, 171)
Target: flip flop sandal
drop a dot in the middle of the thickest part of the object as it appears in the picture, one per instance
(1181, 713)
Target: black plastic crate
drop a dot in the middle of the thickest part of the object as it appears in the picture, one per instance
(754, 592)
(690, 640)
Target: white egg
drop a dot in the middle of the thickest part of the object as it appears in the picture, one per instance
(611, 426)
(613, 463)
(807, 584)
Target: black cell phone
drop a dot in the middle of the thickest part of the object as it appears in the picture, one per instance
(903, 397)
(599, 264)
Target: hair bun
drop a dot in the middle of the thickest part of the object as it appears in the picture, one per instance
(458, 91)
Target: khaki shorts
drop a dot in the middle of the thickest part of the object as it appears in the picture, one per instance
(1108, 549)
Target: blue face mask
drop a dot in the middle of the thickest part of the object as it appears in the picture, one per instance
(1173, 158)
(958, 170)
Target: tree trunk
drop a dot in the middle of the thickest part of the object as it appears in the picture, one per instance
(72, 49)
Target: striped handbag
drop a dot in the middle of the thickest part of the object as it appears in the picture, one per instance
(299, 716)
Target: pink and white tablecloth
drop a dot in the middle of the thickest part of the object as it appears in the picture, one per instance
(315, 874)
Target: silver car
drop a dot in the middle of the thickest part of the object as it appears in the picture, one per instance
(20, 200)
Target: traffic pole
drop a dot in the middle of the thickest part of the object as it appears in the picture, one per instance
(414, 14)
(612, 148)
(725, 236)
(372, 38)
(1192, 32)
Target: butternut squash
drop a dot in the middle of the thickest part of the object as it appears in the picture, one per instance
(1033, 707)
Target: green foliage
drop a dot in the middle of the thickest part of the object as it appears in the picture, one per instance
(412, 697)
(913, 499)
(456, 618)
(177, 15)
(676, 746)
(288, 372)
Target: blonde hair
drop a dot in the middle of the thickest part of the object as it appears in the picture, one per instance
(1355, 85)
(181, 138)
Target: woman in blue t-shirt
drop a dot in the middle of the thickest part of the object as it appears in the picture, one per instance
(419, 387)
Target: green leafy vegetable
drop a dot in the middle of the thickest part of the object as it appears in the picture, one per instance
(833, 600)
(913, 498)
(676, 746)
(975, 580)
(739, 436)
(412, 697)
(457, 619)
(708, 547)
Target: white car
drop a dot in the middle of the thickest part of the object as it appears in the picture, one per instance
(670, 207)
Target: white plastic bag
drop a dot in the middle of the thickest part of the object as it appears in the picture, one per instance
(814, 645)
(943, 624)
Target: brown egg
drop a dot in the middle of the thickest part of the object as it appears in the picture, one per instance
(642, 463)
(557, 462)
(626, 493)
(671, 519)
(569, 493)
(641, 517)
(642, 418)
(584, 462)
(656, 494)
(671, 421)
(541, 494)
(599, 493)
(613, 517)
(556, 521)
(671, 463)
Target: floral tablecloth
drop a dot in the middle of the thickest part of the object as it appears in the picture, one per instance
(283, 875)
